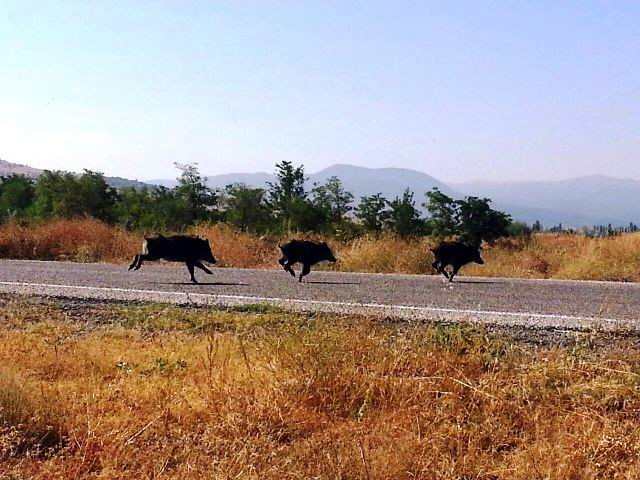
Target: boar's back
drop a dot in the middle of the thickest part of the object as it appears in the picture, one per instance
(177, 248)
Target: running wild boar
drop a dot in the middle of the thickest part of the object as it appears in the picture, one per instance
(455, 254)
(178, 248)
(305, 252)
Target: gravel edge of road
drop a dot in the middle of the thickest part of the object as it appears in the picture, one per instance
(396, 312)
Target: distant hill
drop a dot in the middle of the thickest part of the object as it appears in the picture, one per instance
(360, 181)
(391, 182)
(119, 182)
(8, 168)
(596, 199)
(259, 179)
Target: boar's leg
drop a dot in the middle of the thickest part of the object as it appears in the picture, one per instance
(440, 269)
(134, 262)
(446, 274)
(306, 269)
(137, 261)
(203, 268)
(454, 272)
(190, 266)
(284, 261)
(289, 269)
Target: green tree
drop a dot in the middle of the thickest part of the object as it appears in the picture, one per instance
(478, 221)
(16, 196)
(245, 207)
(63, 194)
(443, 212)
(307, 217)
(97, 198)
(471, 219)
(519, 229)
(199, 201)
(53, 197)
(286, 196)
(372, 212)
(150, 209)
(404, 218)
(157, 209)
(334, 199)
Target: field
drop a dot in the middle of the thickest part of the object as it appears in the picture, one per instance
(113, 391)
(543, 256)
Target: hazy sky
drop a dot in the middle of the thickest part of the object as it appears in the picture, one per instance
(460, 90)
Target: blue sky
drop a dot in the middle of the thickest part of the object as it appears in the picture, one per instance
(461, 90)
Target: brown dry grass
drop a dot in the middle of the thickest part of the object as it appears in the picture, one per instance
(160, 392)
(543, 256)
(564, 257)
(237, 249)
(82, 240)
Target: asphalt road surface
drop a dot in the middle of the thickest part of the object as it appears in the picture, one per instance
(530, 303)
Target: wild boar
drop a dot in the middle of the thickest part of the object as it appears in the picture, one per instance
(455, 254)
(177, 248)
(305, 252)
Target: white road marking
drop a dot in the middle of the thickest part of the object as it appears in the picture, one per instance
(402, 311)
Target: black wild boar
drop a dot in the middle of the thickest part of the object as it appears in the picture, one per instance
(456, 254)
(177, 248)
(305, 252)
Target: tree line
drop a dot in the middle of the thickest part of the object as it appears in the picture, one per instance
(284, 206)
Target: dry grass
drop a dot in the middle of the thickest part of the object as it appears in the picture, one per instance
(566, 257)
(237, 249)
(385, 254)
(83, 240)
(544, 256)
(159, 392)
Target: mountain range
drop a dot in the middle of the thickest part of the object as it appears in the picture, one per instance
(357, 180)
(576, 202)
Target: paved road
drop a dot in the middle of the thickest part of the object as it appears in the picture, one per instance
(536, 303)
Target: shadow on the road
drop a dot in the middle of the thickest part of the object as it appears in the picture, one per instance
(475, 282)
(219, 284)
(331, 283)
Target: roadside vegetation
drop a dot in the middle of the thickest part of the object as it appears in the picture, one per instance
(114, 391)
(541, 255)
(63, 216)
